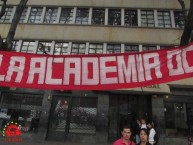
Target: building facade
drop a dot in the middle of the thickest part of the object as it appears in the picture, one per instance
(97, 27)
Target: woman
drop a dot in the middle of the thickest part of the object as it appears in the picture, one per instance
(152, 133)
(144, 135)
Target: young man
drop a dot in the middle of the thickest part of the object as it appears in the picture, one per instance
(125, 139)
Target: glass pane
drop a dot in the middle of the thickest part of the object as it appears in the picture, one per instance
(35, 15)
(66, 15)
(131, 18)
(44, 47)
(114, 17)
(82, 16)
(50, 15)
(98, 16)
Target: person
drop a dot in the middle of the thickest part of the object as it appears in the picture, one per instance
(137, 129)
(156, 136)
(144, 135)
(152, 132)
(126, 137)
(143, 123)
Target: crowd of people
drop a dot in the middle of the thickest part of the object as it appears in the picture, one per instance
(143, 134)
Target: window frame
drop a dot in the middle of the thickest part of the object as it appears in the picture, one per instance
(147, 19)
(37, 15)
(161, 18)
(82, 16)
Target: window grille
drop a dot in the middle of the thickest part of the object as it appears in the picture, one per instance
(23, 15)
(149, 48)
(131, 48)
(147, 18)
(27, 47)
(44, 47)
(114, 17)
(179, 19)
(7, 16)
(35, 15)
(66, 16)
(166, 47)
(15, 45)
(131, 17)
(82, 16)
(22, 99)
(61, 48)
(164, 19)
(50, 15)
(78, 48)
(98, 16)
(113, 48)
(83, 115)
(96, 48)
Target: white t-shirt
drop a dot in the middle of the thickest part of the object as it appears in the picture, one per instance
(143, 126)
(151, 135)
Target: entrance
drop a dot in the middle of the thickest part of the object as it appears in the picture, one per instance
(59, 118)
(125, 110)
(71, 115)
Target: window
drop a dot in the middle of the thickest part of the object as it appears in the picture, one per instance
(50, 15)
(178, 108)
(82, 16)
(147, 18)
(28, 47)
(66, 16)
(131, 18)
(131, 48)
(23, 15)
(113, 48)
(35, 15)
(98, 16)
(15, 45)
(149, 48)
(7, 16)
(114, 17)
(179, 118)
(166, 47)
(44, 47)
(78, 48)
(23, 109)
(164, 19)
(179, 19)
(61, 48)
(95, 48)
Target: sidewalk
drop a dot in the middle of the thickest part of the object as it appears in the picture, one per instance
(34, 142)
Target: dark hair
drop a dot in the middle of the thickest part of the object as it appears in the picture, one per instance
(145, 130)
(152, 123)
(126, 127)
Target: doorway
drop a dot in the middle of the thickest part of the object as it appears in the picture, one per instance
(59, 118)
(125, 110)
(71, 115)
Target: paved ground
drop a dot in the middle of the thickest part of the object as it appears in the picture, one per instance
(34, 142)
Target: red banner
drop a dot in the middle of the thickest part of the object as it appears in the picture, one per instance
(95, 72)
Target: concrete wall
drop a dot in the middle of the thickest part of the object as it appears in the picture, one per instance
(158, 112)
(167, 4)
(43, 123)
(99, 34)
